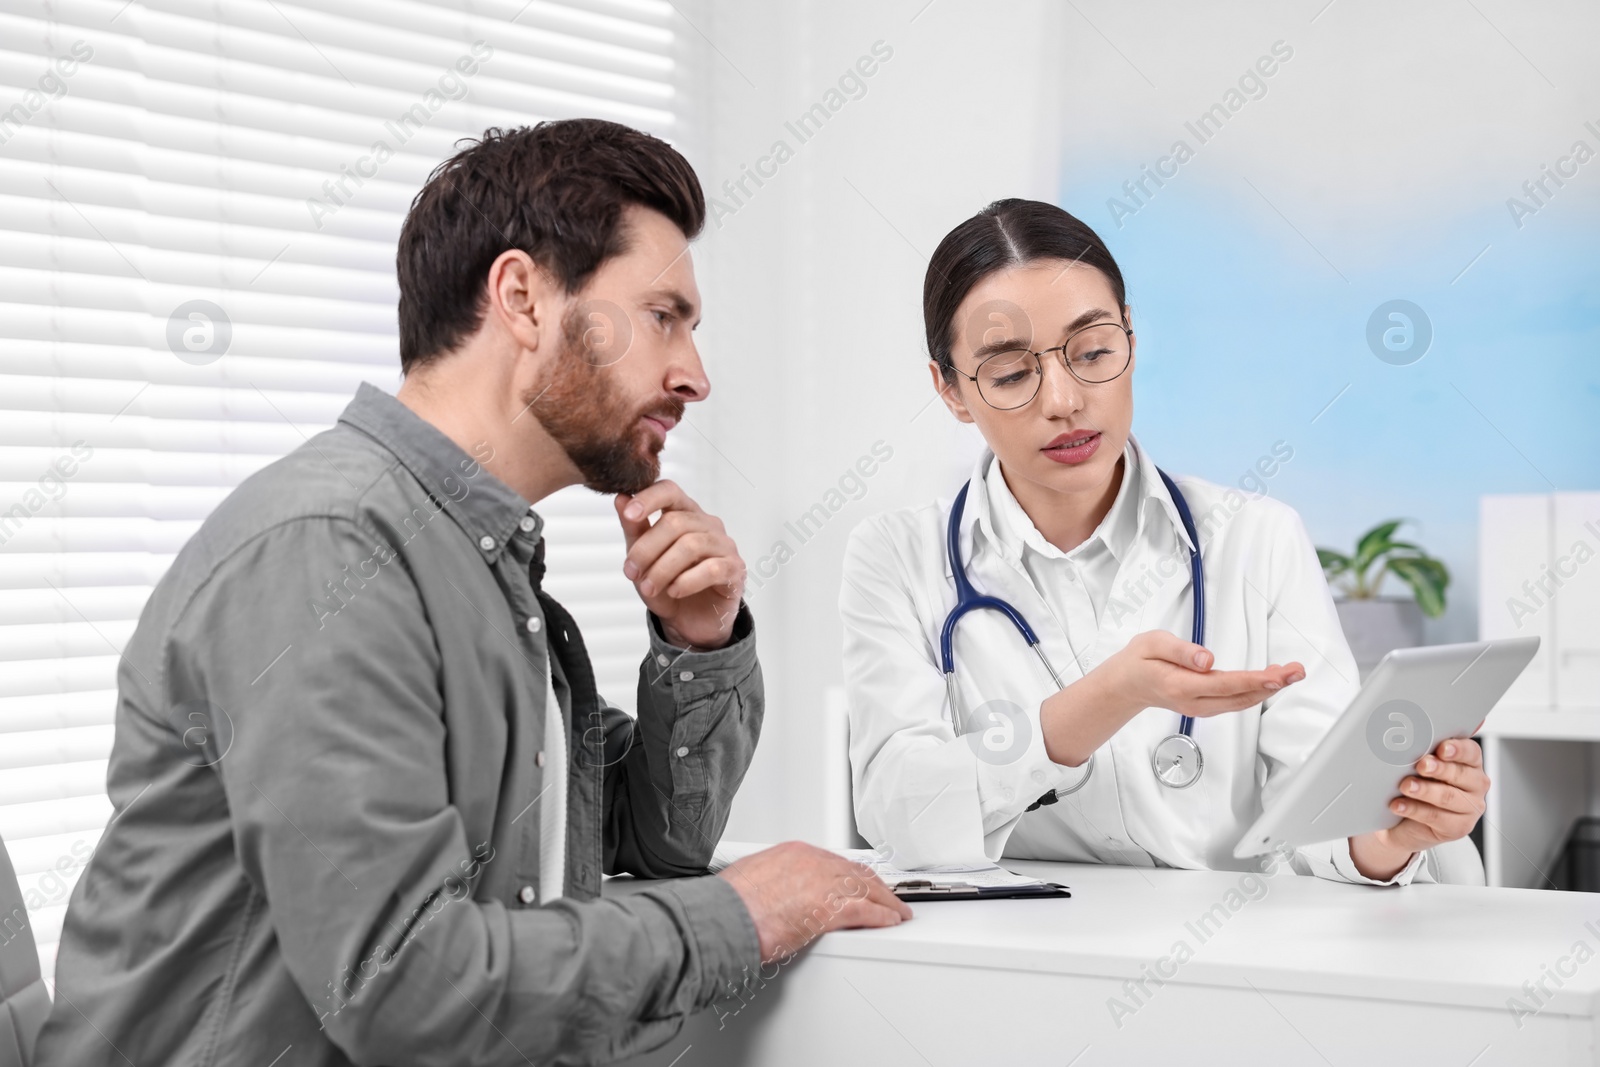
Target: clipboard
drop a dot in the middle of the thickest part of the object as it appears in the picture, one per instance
(919, 889)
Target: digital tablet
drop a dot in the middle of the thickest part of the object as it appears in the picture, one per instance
(1414, 699)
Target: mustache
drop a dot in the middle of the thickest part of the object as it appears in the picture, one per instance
(670, 410)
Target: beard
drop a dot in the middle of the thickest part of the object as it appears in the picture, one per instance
(582, 408)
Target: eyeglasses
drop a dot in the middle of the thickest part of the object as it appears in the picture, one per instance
(1010, 379)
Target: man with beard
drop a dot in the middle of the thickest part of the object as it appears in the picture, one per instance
(363, 790)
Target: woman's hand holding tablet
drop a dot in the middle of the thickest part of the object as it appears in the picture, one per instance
(1402, 750)
(1441, 802)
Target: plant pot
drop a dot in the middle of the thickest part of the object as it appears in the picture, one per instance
(1377, 624)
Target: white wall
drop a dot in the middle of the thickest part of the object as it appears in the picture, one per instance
(813, 327)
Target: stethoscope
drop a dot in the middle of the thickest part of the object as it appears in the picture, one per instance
(1177, 760)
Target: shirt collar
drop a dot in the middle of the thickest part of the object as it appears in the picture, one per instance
(992, 510)
(488, 510)
(1153, 496)
(1014, 529)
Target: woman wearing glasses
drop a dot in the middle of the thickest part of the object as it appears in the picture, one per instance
(1029, 672)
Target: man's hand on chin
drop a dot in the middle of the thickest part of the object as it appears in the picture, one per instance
(685, 567)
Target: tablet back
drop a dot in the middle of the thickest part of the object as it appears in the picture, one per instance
(1414, 698)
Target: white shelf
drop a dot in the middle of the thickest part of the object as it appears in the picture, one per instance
(1542, 743)
(1543, 723)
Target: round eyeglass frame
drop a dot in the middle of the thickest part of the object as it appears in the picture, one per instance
(1038, 359)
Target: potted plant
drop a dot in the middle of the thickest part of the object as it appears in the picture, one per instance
(1373, 624)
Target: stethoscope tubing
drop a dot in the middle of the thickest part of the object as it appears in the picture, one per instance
(968, 599)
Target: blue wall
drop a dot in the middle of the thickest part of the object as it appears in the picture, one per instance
(1246, 332)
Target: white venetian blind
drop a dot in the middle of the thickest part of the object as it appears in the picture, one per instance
(197, 237)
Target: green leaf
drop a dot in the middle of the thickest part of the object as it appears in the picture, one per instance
(1333, 563)
(1427, 578)
(1441, 572)
(1374, 543)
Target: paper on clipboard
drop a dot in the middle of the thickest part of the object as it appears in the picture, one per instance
(985, 875)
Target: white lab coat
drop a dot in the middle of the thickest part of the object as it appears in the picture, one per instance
(925, 794)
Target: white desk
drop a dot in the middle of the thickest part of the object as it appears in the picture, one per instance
(1311, 972)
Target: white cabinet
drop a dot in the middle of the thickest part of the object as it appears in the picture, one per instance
(1575, 573)
(1539, 573)
(1513, 551)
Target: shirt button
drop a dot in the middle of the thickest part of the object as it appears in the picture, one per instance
(683, 751)
(526, 894)
(686, 676)
(533, 625)
(538, 758)
(662, 659)
(527, 524)
(486, 543)
(1038, 776)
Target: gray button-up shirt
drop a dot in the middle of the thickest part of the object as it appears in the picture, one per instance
(326, 778)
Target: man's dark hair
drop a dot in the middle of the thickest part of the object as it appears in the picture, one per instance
(556, 190)
(1005, 234)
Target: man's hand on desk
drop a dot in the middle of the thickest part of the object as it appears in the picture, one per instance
(796, 892)
(1441, 802)
(686, 568)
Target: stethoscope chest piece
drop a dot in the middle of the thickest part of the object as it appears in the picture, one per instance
(1178, 761)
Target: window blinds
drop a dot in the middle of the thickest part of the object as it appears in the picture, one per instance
(199, 204)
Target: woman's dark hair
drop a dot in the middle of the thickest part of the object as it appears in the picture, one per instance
(556, 190)
(1007, 233)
